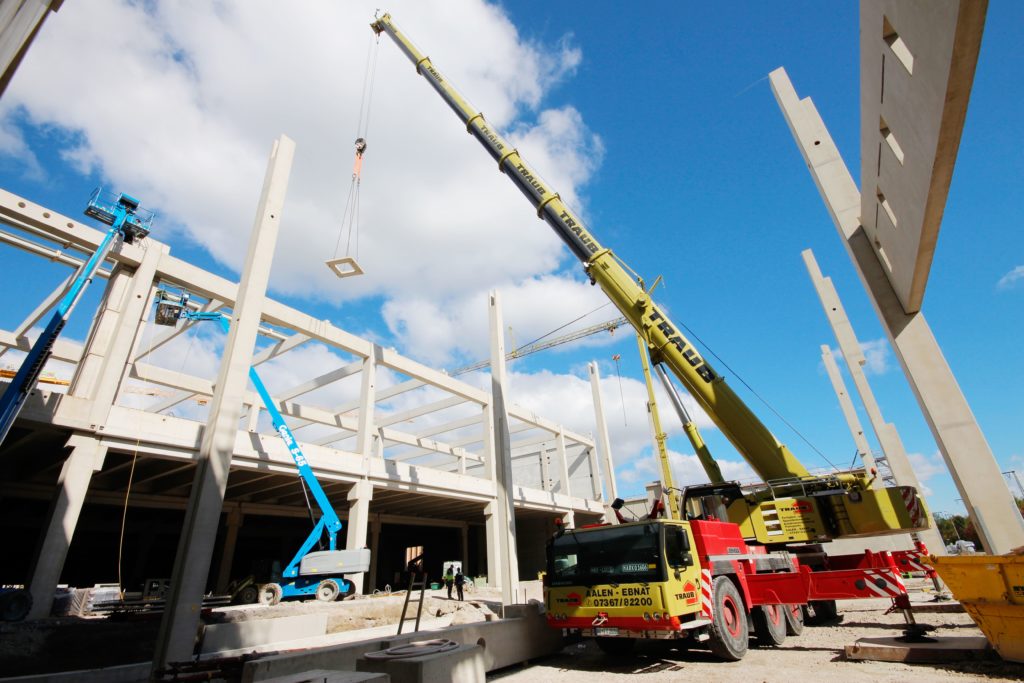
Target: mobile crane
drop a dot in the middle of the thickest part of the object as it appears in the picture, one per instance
(792, 506)
(311, 573)
(127, 221)
(697, 577)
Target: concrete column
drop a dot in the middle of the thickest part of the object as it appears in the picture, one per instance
(86, 457)
(102, 332)
(603, 442)
(503, 506)
(569, 519)
(888, 438)
(544, 458)
(128, 305)
(563, 463)
(176, 640)
(595, 473)
(374, 550)
(227, 555)
(359, 497)
(850, 413)
(464, 538)
(492, 529)
(956, 431)
(20, 21)
(367, 428)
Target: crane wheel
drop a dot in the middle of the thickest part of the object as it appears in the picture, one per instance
(327, 590)
(769, 624)
(794, 619)
(249, 595)
(729, 633)
(15, 604)
(822, 612)
(270, 594)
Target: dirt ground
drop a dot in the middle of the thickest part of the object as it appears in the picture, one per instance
(815, 655)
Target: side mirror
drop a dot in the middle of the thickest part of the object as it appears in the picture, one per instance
(617, 504)
(684, 539)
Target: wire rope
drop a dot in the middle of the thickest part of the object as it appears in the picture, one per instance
(758, 396)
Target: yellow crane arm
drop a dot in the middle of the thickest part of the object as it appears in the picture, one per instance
(769, 458)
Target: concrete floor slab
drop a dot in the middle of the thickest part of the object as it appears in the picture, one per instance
(946, 649)
(325, 676)
(244, 635)
(463, 664)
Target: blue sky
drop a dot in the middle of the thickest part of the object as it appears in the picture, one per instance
(658, 125)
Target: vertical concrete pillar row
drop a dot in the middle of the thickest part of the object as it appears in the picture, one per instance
(86, 457)
(227, 555)
(178, 630)
(374, 551)
(957, 434)
(503, 506)
(359, 497)
(604, 443)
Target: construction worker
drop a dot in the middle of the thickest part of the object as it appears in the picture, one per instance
(449, 579)
(460, 580)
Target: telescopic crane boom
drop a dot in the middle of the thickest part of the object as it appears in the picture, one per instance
(773, 461)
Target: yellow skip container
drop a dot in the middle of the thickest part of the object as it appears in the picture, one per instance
(991, 589)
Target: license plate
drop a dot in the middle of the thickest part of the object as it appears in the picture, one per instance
(606, 631)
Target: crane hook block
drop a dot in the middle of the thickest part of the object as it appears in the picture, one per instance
(360, 146)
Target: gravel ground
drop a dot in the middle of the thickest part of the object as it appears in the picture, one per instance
(816, 655)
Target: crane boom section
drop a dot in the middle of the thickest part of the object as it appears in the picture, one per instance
(769, 458)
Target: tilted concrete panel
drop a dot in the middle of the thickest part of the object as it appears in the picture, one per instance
(917, 67)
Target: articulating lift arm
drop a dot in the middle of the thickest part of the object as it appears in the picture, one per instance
(329, 522)
(125, 220)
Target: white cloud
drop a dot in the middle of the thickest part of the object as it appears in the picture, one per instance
(686, 470)
(877, 354)
(927, 466)
(1011, 279)
(180, 105)
(443, 329)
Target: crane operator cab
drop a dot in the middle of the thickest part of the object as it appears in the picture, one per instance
(710, 501)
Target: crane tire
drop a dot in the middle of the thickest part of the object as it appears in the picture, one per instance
(825, 612)
(249, 595)
(794, 619)
(769, 624)
(327, 590)
(730, 635)
(270, 594)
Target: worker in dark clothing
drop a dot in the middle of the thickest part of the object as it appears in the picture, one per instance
(460, 580)
(449, 579)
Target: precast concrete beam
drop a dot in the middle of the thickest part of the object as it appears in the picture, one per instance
(502, 519)
(178, 630)
(963, 446)
(86, 457)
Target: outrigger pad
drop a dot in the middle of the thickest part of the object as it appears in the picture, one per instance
(345, 266)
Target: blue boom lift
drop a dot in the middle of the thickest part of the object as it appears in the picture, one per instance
(127, 220)
(318, 573)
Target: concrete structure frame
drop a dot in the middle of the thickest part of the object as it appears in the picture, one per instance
(391, 440)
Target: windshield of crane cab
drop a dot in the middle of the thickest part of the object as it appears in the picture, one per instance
(613, 554)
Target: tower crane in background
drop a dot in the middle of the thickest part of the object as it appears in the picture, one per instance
(534, 347)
